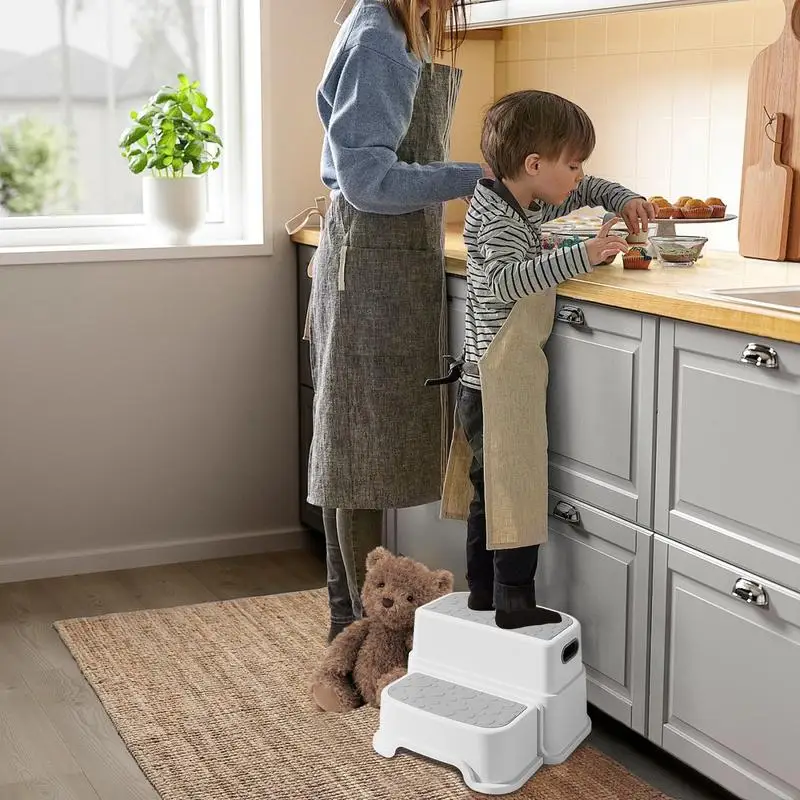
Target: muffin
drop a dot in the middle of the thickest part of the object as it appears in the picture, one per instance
(636, 258)
(717, 207)
(665, 212)
(696, 209)
(677, 212)
(683, 200)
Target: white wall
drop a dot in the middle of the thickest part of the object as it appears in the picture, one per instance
(148, 410)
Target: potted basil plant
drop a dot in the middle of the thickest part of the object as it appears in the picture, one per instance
(173, 139)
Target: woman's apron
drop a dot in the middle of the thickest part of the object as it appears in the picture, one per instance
(514, 375)
(377, 326)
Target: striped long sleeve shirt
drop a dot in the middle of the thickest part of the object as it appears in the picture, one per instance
(505, 261)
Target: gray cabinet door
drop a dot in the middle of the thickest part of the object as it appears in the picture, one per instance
(597, 568)
(728, 471)
(601, 405)
(724, 694)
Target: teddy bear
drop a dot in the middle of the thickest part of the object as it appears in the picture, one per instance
(372, 652)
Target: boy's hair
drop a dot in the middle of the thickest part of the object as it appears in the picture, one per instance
(531, 121)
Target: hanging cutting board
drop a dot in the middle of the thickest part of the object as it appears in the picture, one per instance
(774, 87)
(766, 198)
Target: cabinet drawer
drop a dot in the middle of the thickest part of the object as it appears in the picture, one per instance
(723, 680)
(601, 406)
(597, 568)
(728, 464)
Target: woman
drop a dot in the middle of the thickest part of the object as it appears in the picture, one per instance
(377, 311)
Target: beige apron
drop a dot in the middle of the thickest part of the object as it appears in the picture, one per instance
(514, 376)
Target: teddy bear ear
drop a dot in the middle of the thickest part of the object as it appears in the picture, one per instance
(376, 556)
(443, 581)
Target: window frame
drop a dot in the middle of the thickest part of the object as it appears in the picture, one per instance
(237, 200)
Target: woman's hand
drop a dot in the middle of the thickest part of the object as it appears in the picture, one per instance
(637, 214)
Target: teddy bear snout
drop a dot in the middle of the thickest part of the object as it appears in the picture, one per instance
(388, 602)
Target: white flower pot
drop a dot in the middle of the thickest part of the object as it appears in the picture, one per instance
(175, 207)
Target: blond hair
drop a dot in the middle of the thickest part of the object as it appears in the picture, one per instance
(437, 31)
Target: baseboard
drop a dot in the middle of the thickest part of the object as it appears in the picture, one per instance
(55, 565)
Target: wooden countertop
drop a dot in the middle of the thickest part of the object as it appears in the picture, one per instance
(659, 290)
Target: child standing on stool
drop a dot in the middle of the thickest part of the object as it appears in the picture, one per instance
(536, 143)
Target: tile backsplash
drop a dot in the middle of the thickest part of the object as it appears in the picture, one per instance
(666, 90)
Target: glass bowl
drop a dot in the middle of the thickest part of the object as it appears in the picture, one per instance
(678, 251)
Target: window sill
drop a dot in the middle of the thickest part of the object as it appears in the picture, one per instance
(85, 253)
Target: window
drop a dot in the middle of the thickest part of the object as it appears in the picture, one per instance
(71, 71)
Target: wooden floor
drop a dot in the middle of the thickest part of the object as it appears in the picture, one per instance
(56, 741)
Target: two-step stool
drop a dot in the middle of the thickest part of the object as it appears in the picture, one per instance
(494, 703)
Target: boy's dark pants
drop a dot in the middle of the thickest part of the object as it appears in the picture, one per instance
(507, 574)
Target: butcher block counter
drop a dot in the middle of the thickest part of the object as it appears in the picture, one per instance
(660, 290)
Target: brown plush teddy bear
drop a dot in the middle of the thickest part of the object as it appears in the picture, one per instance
(372, 652)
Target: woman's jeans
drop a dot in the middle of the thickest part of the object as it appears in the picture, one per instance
(350, 534)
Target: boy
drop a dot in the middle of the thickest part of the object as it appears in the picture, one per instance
(536, 143)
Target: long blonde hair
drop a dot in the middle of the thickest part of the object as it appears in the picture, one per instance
(433, 33)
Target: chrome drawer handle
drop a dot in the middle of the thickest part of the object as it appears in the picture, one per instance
(571, 315)
(751, 592)
(567, 512)
(760, 355)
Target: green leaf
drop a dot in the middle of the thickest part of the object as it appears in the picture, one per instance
(137, 163)
(195, 84)
(201, 169)
(212, 137)
(132, 135)
(214, 164)
(134, 115)
(184, 81)
(177, 164)
(164, 95)
(198, 98)
(206, 114)
(194, 150)
(207, 127)
(187, 108)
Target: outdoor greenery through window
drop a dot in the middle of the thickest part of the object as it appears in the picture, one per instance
(71, 72)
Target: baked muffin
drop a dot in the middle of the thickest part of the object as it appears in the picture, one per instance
(658, 201)
(717, 207)
(696, 209)
(683, 200)
(636, 258)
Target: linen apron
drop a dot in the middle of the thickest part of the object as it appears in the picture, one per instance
(514, 375)
(377, 328)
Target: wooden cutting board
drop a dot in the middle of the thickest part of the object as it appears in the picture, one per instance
(775, 86)
(766, 198)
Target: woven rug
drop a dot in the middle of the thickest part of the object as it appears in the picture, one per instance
(212, 701)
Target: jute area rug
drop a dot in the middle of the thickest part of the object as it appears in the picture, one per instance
(212, 701)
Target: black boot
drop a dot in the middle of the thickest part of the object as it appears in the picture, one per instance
(480, 600)
(522, 611)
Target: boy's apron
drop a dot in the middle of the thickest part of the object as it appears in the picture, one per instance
(514, 375)
(377, 322)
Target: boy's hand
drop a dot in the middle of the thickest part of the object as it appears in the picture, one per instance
(604, 245)
(637, 214)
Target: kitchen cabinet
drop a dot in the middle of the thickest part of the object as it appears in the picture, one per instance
(495, 13)
(311, 516)
(601, 407)
(597, 568)
(728, 464)
(723, 681)
(674, 474)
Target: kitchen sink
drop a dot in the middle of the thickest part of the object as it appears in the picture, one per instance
(780, 298)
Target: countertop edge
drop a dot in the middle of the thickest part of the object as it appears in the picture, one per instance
(591, 288)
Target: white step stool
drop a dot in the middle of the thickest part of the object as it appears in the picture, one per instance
(494, 703)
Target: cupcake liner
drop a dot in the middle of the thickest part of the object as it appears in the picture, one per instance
(664, 212)
(677, 213)
(697, 213)
(636, 263)
(718, 212)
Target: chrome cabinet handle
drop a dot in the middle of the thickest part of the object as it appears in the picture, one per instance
(750, 592)
(759, 355)
(572, 315)
(567, 512)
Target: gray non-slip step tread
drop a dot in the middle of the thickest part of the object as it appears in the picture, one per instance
(455, 605)
(458, 703)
